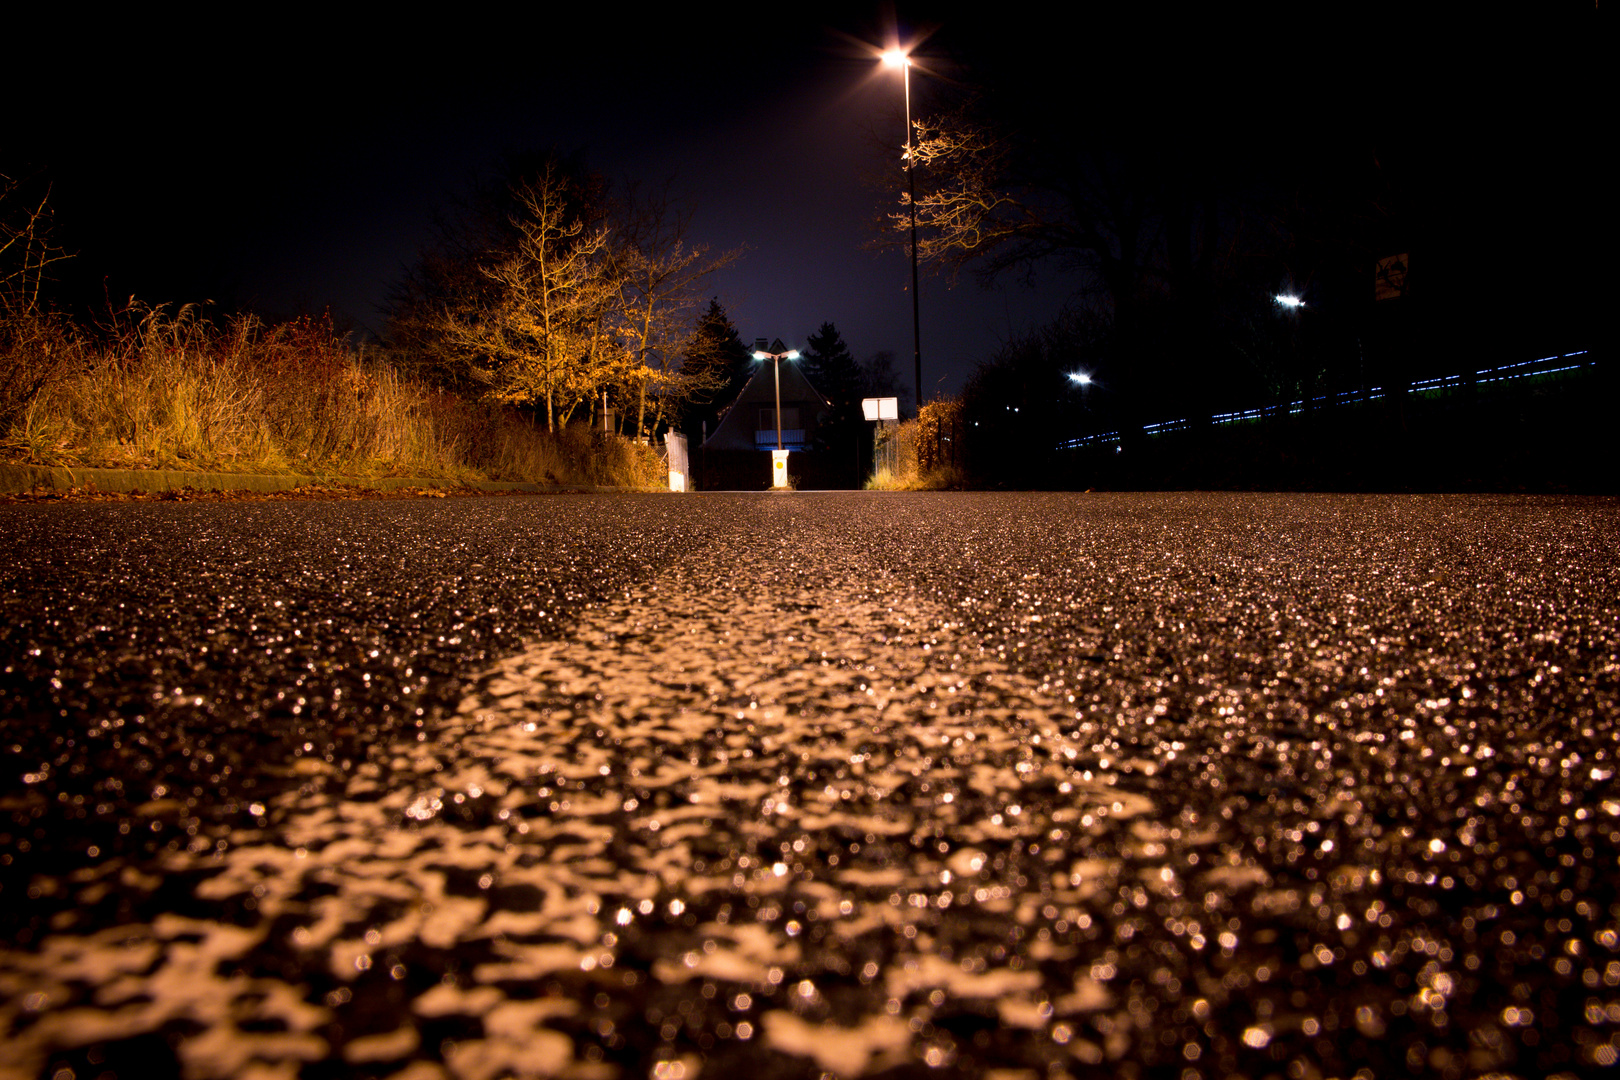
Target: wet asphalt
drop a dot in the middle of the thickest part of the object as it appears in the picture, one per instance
(795, 785)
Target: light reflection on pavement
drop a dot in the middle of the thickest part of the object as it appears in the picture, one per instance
(767, 816)
(779, 818)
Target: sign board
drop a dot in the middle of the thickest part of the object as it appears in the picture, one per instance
(779, 477)
(881, 408)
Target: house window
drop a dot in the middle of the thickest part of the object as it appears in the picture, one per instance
(767, 419)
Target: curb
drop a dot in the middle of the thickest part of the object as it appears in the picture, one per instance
(22, 479)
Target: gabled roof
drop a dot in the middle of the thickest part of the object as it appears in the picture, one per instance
(736, 427)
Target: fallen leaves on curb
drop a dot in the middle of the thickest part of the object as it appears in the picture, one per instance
(90, 493)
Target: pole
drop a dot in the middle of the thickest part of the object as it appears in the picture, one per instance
(911, 184)
(776, 369)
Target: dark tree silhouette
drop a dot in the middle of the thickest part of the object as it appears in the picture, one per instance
(716, 365)
(880, 378)
(831, 369)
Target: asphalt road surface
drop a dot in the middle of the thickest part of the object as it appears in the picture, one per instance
(1012, 786)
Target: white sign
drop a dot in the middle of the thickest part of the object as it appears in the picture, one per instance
(881, 408)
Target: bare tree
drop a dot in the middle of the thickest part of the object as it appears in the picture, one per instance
(1139, 224)
(984, 202)
(36, 346)
(560, 300)
(26, 248)
(539, 337)
(657, 273)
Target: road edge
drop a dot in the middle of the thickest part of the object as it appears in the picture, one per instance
(25, 479)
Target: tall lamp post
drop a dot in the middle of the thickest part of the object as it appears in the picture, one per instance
(779, 473)
(777, 357)
(896, 58)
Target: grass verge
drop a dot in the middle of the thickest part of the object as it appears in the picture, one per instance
(159, 389)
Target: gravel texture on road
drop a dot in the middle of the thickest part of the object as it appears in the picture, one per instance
(805, 785)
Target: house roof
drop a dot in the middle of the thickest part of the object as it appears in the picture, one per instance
(736, 428)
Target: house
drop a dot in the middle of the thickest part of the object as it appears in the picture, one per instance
(737, 448)
(750, 422)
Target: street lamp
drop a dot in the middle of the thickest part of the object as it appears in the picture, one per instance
(897, 58)
(777, 357)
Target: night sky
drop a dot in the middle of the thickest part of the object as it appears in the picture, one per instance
(289, 161)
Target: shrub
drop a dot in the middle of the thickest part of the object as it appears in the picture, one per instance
(922, 454)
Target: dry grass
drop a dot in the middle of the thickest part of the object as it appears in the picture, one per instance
(946, 479)
(160, 389)
(35, 353)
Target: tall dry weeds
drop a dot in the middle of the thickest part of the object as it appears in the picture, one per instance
(36, 351)
(161, 388)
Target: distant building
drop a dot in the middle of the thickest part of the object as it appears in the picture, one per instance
(735, 456)
(750, 422)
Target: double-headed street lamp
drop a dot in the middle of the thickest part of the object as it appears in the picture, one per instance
(897, 58)
(778, 357)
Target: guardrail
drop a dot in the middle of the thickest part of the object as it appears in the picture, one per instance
(1546, 365)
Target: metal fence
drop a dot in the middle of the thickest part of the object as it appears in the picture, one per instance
(1524, 369)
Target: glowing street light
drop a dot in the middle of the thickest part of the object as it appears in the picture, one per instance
(777, 357)
(897, 58)
(1083, 380)
(1289, 301)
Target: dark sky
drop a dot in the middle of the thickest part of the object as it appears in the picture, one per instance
(289, 161)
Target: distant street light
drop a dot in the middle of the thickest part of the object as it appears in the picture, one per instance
(1083, 380)
(897, 58)
(778, 357)
(1289, 301)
